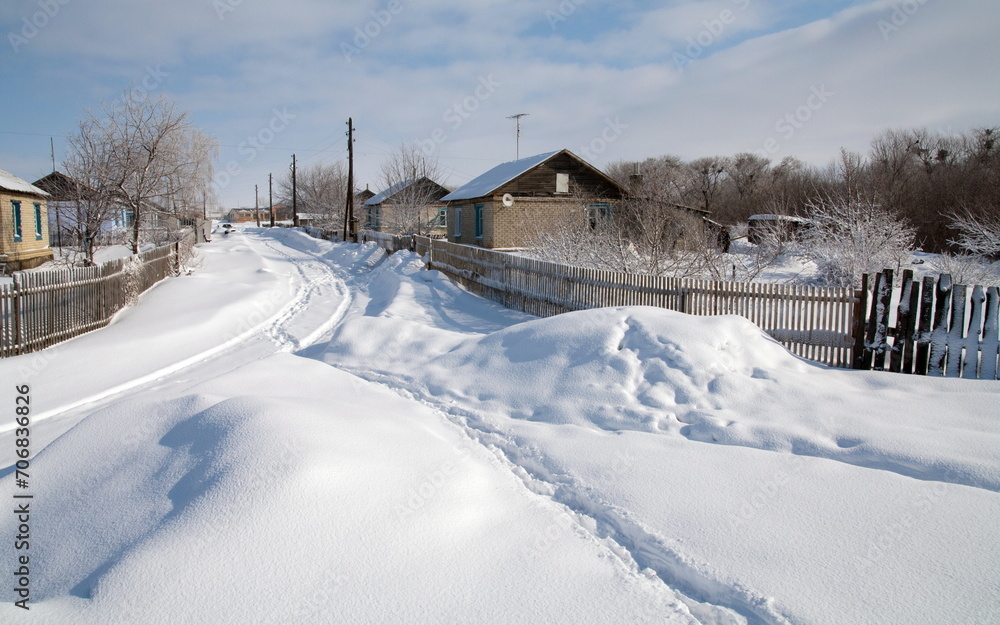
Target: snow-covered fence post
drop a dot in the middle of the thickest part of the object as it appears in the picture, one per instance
(16, 312)
(925, 328)
(939, 333)
(906, 323)
(876, 340)
(862, 357)
(991, 335)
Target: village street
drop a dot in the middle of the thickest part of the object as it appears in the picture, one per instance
(300, 431)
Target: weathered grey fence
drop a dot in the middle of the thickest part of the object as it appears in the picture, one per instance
(815, 323)
(41, 309)
(939, 328)
(390, 242)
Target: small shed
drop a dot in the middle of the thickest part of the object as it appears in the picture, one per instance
(24, 224)
(783, 227)
(504, 206)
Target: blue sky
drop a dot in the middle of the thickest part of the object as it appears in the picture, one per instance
(608, 80)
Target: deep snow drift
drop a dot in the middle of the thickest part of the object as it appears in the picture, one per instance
(616, 465)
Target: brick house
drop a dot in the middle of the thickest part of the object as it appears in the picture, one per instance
(24, 224)
(410, 206)
(504, 206)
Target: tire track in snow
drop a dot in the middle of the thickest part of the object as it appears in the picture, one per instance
(317, 280)
(274, 327)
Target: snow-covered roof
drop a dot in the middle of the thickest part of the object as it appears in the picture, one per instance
(378, 198)
(768, 217)
(497, 177)
(10, 182)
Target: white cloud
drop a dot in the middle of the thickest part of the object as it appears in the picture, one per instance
(934, 68)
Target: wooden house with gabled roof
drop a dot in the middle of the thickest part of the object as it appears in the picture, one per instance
(24, 227)
(504, 206)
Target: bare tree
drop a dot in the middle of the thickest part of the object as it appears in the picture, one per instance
(707, 174)
(410, 190)
(977, 234)
(852, 237)
(90, 202)
(141, 155)
(321, 190)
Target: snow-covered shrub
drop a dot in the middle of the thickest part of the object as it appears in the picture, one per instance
(132, 279)
(979, 235)
(969, 269)
(852, 237)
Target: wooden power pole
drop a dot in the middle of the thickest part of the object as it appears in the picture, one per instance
(270, 197)
(256, 205)
(350, 232)
(295, 197)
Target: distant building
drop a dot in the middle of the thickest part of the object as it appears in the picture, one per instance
(24, 224)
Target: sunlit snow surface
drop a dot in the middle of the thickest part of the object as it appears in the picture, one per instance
(308, 432)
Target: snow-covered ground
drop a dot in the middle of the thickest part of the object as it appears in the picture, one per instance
(309, 432)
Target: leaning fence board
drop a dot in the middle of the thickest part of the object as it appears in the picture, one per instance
(940, 329)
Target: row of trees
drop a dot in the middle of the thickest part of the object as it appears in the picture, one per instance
(321, 190)
(913, 189)
(139, 156)
(927, 178)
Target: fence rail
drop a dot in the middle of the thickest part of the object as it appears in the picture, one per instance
(41, 309)
(816, 323)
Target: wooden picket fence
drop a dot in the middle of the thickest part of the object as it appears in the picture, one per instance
(41, 309)
(816, 323)
(938, 328)
(392, 243)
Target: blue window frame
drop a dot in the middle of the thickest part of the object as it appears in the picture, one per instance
(598, 213)
(38, 221)
(17, 220)
(442, 218)
(479, 221)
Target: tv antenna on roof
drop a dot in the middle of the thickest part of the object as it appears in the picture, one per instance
(517, 120)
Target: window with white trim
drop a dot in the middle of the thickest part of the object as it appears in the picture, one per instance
(38, 221)
(479, 221)
(16, 213)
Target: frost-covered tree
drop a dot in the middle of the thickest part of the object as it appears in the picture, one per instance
(977, 234)
(852, 237)
(410, 180)
(143, 155)
(321, 190)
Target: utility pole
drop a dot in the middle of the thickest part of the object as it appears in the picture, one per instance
(256, 205)
(517, 121)
(52, 144)
(270, 198)
(350, 233)
(295, 197)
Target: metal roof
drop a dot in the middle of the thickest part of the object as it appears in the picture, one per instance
(497, 177)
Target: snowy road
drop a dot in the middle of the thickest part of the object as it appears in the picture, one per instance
(306, 432)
